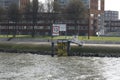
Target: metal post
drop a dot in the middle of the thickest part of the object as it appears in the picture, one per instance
(68, 48)
(53, 48)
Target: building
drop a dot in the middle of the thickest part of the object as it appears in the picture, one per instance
(111, 15)
(95, 9)
(112, 23)
(64, 3)
(7, 3)
(112, 28)
(21, 3)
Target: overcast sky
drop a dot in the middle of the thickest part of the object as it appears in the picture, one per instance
(113, 5)
(109, 5)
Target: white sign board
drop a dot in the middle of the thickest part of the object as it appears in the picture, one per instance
(62, 26)
(55, 30)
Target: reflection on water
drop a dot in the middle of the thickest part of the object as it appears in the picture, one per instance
(38, 67)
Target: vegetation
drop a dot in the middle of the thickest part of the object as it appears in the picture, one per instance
(83, 38)
(33, 13)
(24, 47)
(75, 50)
(77, 12)
(101, 38)
(14, 16)
(2, 11)
(96, 51)
(92, 38)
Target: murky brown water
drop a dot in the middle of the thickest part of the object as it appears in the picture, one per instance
(38, 67)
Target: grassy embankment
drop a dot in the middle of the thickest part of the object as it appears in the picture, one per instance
(25, 48)
(92, 38)
(79, 51)
(46, 50)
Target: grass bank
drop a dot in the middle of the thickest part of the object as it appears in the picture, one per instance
(97, 51)
(92, 38)
(75, 50)
(25, 48)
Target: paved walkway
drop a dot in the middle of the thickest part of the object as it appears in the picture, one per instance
(49, 43)
(104, 45)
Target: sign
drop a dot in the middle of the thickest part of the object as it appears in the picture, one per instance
(55, 30)
(62, 26)
(62, 48)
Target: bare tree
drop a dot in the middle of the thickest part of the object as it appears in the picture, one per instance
(14, 15)
(49, 6)
(27, 12)
(52, 8)
(2, 12)
(56, 7)
(41, 7)
(76, 11)
(35, 6)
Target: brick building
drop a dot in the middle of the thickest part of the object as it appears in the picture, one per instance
(6, 3)
(23, 3)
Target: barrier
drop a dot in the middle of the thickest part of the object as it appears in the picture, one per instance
(63, 47)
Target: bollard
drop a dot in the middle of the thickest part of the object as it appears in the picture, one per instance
(53, 48)
(68, 48)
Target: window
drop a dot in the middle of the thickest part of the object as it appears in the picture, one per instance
(62, 1)
(71, 28)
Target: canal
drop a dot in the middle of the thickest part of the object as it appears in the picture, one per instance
(38, 67)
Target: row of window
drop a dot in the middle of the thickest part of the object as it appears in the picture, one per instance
(113, 24)
(42, 27)
(111, 12)
(111, 18)
(113, 29)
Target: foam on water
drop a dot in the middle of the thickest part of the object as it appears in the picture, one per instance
(38, 67)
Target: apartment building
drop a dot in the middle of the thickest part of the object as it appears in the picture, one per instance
(112, 22)
(111, 15)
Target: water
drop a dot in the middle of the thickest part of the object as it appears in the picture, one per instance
(38, 67)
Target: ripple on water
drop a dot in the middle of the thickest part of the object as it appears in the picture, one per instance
(38, 67)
